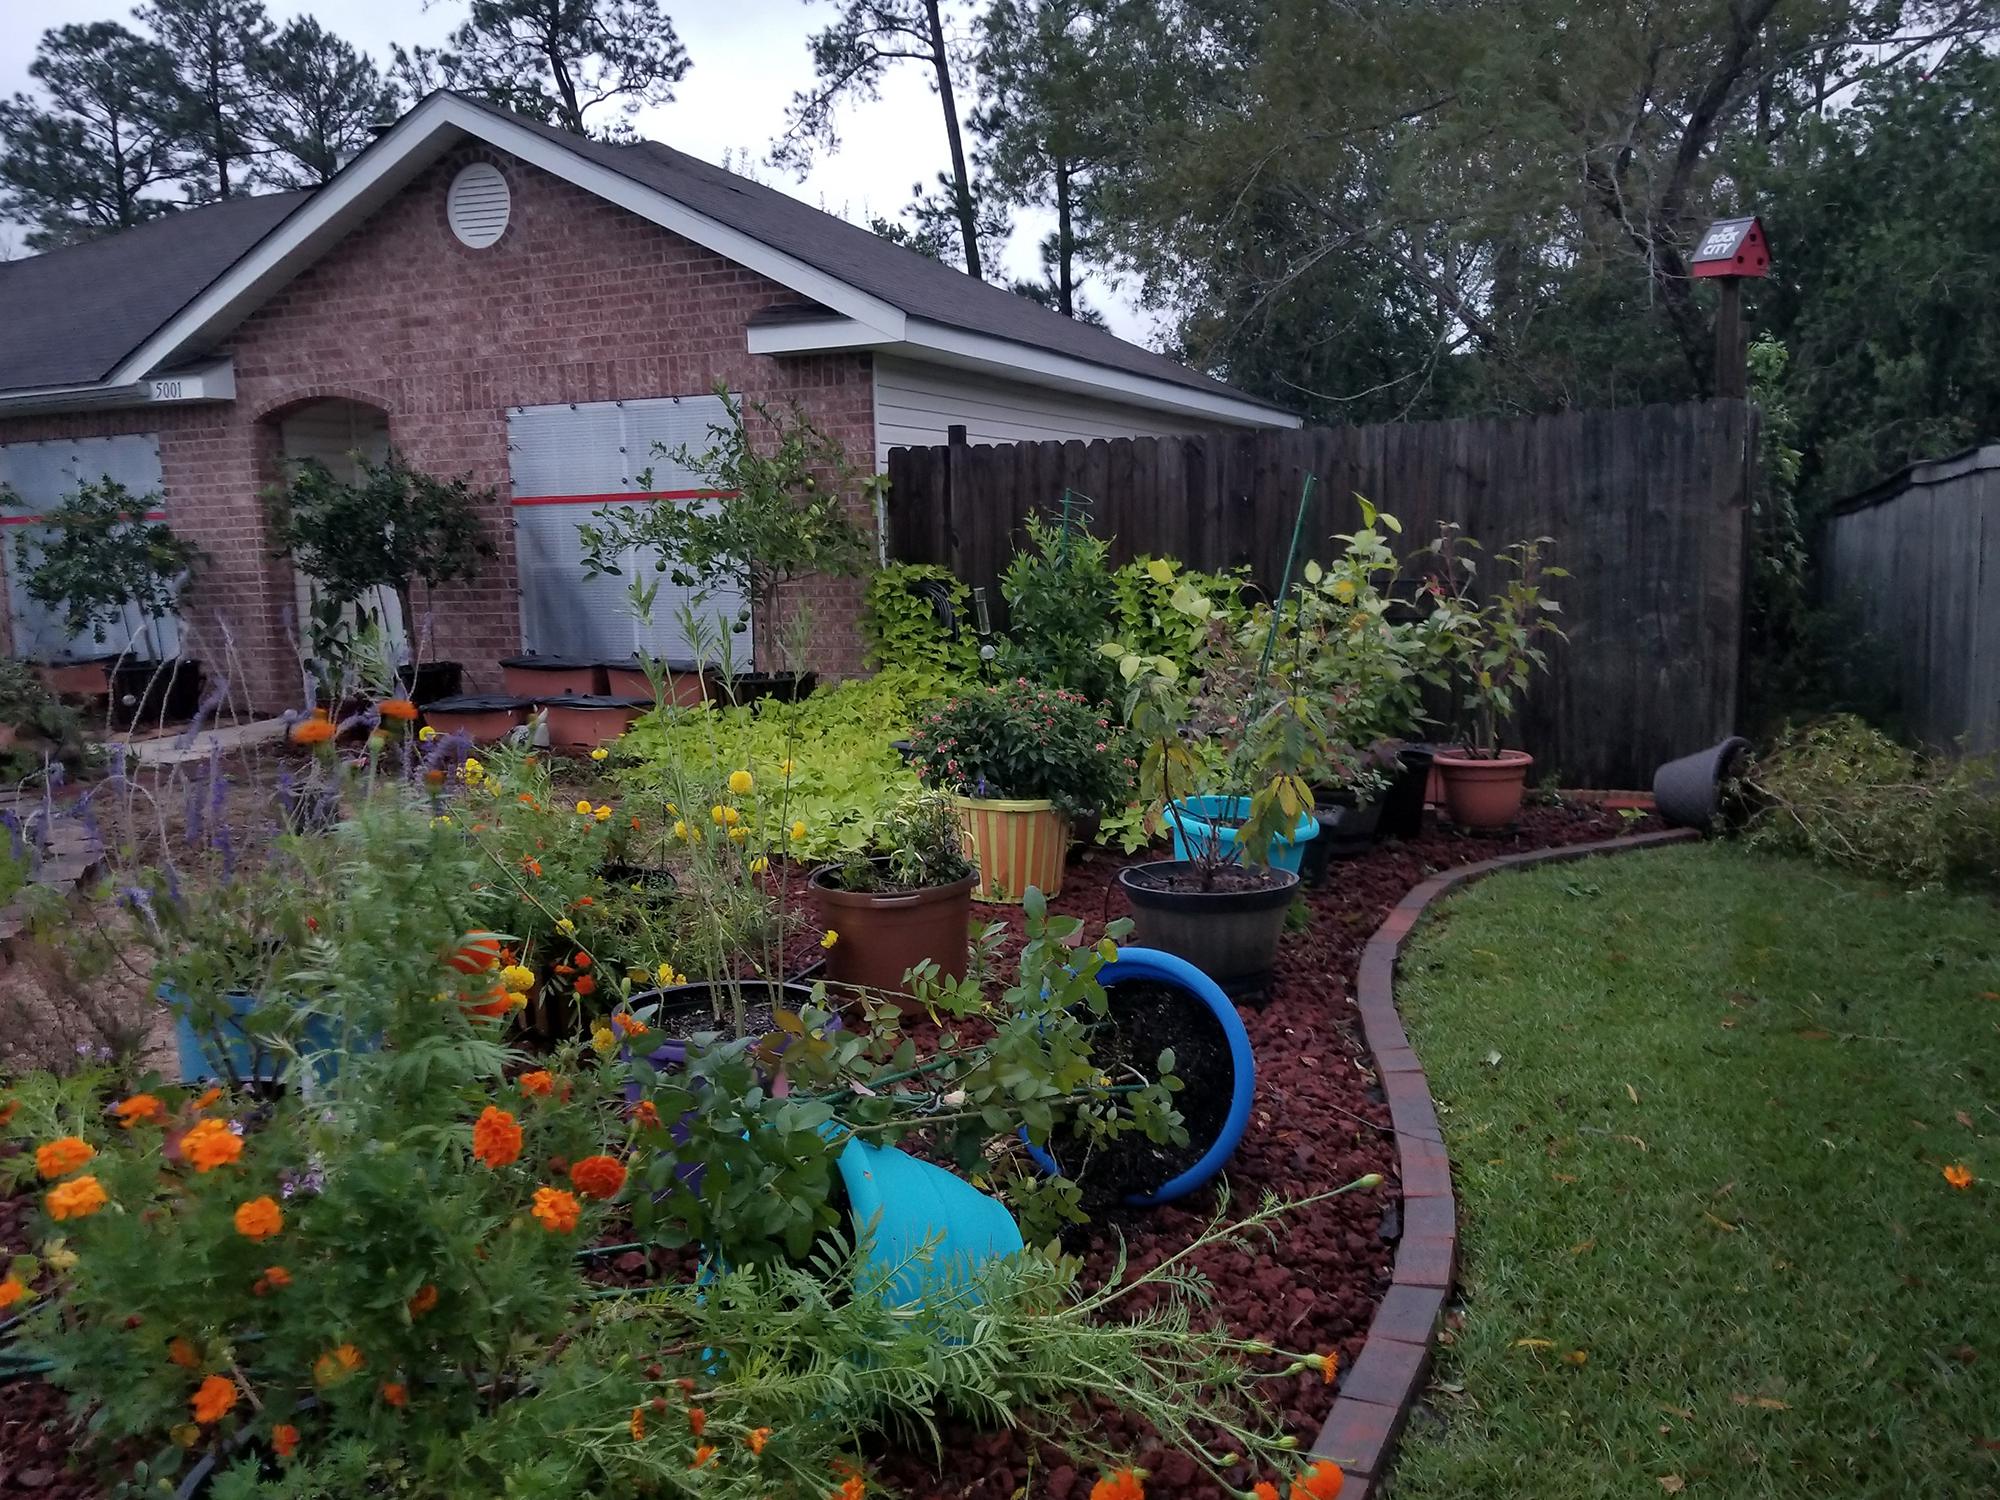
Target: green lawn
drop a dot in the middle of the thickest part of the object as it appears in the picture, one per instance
(1698, 1107)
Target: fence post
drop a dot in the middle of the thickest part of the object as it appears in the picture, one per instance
(954, 473)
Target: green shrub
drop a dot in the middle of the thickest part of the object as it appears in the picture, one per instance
(1845, 794)
(1060, 609)
(1020, 740)
(904, 634)
(42, 725)
(1147, 621)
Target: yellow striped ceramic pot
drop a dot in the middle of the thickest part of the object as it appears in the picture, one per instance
(1015, 845)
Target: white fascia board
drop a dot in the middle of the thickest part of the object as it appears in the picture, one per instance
(209, 381)
(937, 344)
(71, 398)
(394, 161)
(822, 335)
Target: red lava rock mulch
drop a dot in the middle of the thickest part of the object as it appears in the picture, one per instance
(1318, 1121)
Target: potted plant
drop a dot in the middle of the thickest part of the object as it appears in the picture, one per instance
(905, 901)
(1020, 761)
(1245, 724)
(1496, 648)
(780, 511)
(389, 530)
(98, 561)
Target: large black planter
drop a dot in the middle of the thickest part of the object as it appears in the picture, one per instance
(784, 687)
(1230, 933)
(154, 692)
(1688, 791)
(425, 684)
(1347, 829)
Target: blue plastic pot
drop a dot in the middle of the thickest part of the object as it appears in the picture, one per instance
(233, 1050)
(1165, 968)
(1201, 815)
(903, 1204)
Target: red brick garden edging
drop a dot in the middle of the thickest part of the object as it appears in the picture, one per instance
(1383, 1383)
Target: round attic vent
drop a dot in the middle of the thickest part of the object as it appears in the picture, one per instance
(477, 205)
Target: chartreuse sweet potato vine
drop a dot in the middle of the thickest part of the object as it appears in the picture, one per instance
(369, 1280)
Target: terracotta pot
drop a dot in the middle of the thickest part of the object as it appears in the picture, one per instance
(884, 935)
(1016, 844)
(1482, 791)
(537, 676)
(482, 717)
(583, 721)
(77, 679)
(687, 684)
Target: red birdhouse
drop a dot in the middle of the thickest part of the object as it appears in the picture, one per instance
(1733, 247)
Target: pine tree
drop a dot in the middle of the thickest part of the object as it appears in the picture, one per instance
(79, 163)
(557, 60)
(215, 46)
(849, 59)
(317, 98)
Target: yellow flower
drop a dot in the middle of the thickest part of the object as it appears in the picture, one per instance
(798, 829)
(566, 927)
(759, 865)
(442, 820)
(680, 830)
(59, 1255)
(731, 816)
(670, 810)
(664, 974)
(829, 939)
(600, 753)
(741, 783)
(472, 770)
(603, 1041)
(603, 815)
(583, 809)
(739, 834)
(785, 768)
(427, 734)
(518, 978)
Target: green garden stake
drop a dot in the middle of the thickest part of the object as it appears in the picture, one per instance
(1285, 588)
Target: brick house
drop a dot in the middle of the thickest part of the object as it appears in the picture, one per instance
(543, 312)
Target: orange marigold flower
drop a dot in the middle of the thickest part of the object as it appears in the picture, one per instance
(275, 1278)
(316, 730)
(425, 1299)
(1125, 1484)
(397, 708)
(7, 1111)
(1959, 1175)
(61, 1157)
(1263, 1489)
(758, 1437)
(541, 1083)
(629, 1024)
(213, 1398)
(78, 1198)
(496, 1138)
(284, 1439)
(182, 1352)
(1323, 1481)
(582, 960)
(638, 1424)
(476, 953)
(396, 1393)
(12, 1290)
(702, 1455)
(586, 986)
(337, 1363)
(260, 1218)
(208, 1097)
(211, 1144)
(557, 1210)
(697, 1420)
(532, 865)
(599, 1177)
(851, 1488)
(645, 1115)
(1330, 1368)
(140, 1109)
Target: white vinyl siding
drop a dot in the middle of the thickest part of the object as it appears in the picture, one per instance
(916, 403)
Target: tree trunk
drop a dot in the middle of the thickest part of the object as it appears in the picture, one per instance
(968, 226)
(1065, 241)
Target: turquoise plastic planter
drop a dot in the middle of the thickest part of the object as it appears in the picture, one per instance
(1166, 968)
(905, 1204)
(1198, 813)
(241, 1054)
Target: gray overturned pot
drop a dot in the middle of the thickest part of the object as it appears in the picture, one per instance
(1688, 791)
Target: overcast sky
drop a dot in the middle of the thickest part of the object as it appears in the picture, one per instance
(749, 58)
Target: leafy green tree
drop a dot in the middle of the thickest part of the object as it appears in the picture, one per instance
(83, 160)
(557, 60)
(97, 558)
(850, 58)
(318, 98)
(215, 47)
(930, 223)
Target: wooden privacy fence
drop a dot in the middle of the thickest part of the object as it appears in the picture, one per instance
(1649, 508)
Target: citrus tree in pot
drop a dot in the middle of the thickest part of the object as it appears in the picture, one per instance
(98, 562)
(1496, 645)
(1020, 761)
(904, 902)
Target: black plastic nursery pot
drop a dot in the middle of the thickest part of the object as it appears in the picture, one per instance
(784, 687)
(429, 681)
(154, 692)
(1230, 932)
(1409, 789)
(1347, 829)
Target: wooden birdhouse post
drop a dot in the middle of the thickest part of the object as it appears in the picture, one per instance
(1730, 251)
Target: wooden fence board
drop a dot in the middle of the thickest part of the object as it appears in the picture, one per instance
(1648, 507)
